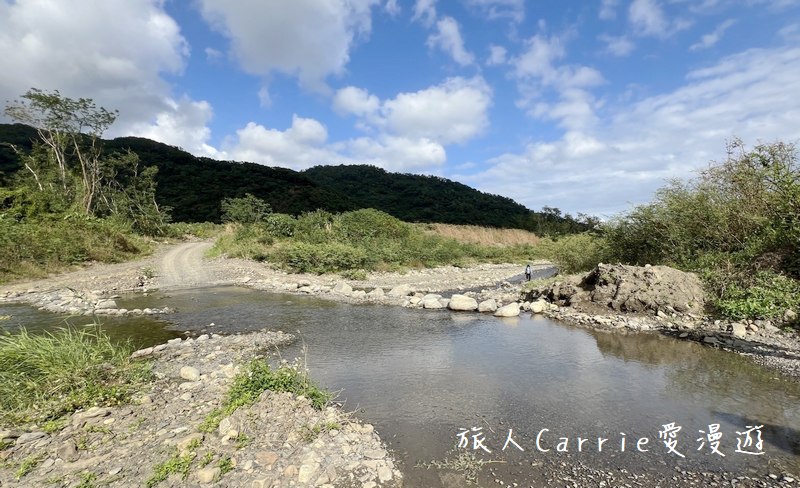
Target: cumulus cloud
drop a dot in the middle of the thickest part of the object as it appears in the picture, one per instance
(646, 141)
(304, 38)
(113, 51)
(425, 11)
(355, 101)
(448, 39)
(713, 38)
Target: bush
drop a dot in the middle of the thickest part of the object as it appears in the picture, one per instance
(314, 227)
(245, 210)
(574, 253)
(280, 225)
(45, 376)
(329, 257)
(368, 225)
(768, 298)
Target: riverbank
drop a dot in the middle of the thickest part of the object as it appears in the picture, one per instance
(160, 439)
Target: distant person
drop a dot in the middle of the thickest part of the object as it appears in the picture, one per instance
(528, 272)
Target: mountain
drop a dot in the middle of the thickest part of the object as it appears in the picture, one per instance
(194, 186)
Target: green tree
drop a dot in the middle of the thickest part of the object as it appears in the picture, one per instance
(71, 131)
(248, 209)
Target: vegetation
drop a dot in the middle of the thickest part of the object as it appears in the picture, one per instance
(737, 224)
(46, 376)
(193, 188)
(259, 377)
(178, 463)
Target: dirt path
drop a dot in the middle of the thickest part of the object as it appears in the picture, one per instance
(183, 266)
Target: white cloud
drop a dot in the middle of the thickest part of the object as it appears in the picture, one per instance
(499, 9)
(113, 51)
(356, 101)
(454, 111)
(425, 11)
(713, 38)
(397, 153)
(392, 8)
(300, 146)
(448, 39)
(608, 9)
(538, 75)
(649, 19)
(617, 46)
(497, 55)
(304, 38)
(630, 154)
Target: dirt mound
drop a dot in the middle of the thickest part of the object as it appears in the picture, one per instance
(647, 289)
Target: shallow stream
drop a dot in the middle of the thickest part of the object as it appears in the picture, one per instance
(422, 377)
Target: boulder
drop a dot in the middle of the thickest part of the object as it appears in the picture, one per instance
(376, 293)
(105, 304)
(489, 305)
(738, 331)
(343, 288)
(401, 291)
(462, 303)
(431, 303)
(510, 310)
(539, 306)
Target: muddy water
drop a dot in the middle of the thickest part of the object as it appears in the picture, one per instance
(421, 377)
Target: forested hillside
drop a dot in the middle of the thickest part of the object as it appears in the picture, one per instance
(193, 187)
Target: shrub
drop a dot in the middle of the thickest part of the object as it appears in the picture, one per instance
(314, 227)
(574, 253)
(245, 210)
(768, 298)
(280, 225)
(369, 224)
(304, 257)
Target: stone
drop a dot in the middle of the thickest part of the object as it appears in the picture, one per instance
(30, 437)
(190, 373)
(266, 458)
(401, 291)
(68, 451)
(739, 331)
(710, 340)
(539, 306)
(462, 303)
(206, 476)
(789, 315)
(384, 474)
(184, 443)
(105, 304)
(343, 289)
(489, 305)
(375, 453)
(431, 303)
(306, 472)
(510, 310)
(376, 293)
(359, 294)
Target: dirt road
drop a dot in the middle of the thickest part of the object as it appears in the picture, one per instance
(183, 266)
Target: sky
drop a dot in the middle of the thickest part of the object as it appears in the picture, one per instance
(584, 106)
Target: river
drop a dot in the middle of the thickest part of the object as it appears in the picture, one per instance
(429, 380)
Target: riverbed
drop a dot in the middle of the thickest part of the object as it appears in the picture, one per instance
(429, 380)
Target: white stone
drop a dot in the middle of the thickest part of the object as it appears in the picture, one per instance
(489, 305)
(190, 374)
(510, 310)
(343, 289)
(462, 303)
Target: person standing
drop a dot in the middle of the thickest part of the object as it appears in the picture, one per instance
(528, 272)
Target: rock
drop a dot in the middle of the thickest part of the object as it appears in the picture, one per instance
(415, 300)
(489, 305)
(184, 443)
(538, 306)
(431, 303)
(771, 329)
(208, 475)
(384, 474)
(710, 340)
(343, 289)
(789, 315)
(306, 472)
(462, 303)
(30, 437)
(739, 331)
(68, 451)
(105, 304)
(376, 293)
(359, 294)
(266, 458)
(375, 454)
(510, 310)
(190, 374)
(401, 291)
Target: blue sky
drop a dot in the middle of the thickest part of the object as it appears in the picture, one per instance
(584, 106)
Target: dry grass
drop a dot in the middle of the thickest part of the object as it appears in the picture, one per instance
(485, 236)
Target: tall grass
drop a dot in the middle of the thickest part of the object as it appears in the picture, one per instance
(484, 236)
(48, 375)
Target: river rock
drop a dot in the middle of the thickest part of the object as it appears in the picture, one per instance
(401, 291)
(30, 437)
(105, 304)
(376, 293)
(489, 305)
(510, 310)
(538, 306)
(431, 303)
(738, 331)
(68, 451)
(189, 373)
(343, 288)
(462, 303)
(208, 475)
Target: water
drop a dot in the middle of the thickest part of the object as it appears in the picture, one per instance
(422, 376)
